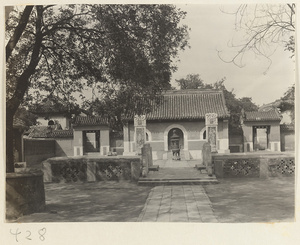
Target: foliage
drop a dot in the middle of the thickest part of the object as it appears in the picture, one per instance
(63, 49)
(287, 102)
(192, 81)
(53, 104)
(263, 28)
(105, 46)
(27, 117)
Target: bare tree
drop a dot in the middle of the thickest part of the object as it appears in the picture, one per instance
(264, 28)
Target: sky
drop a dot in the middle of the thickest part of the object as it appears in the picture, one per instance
(211, 30)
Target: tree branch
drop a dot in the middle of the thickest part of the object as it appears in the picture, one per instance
(18, 31)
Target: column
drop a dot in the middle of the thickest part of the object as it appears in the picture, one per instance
(126, 139)
(78, 144)
(104, 141)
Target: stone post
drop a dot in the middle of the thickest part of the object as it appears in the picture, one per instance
(218, 168)
(211, 123)
(47, 170)
(91, 171)
(135, 170)
(140, 132)
(207, 158)
(146, 158)
(147, 153)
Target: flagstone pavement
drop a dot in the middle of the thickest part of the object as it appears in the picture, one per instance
(185, 203)
(80, 203)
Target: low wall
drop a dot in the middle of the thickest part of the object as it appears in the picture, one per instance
(25, 193)
(247, 165)
(87, 169)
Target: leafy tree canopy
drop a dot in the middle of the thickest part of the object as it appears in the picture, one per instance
(61, 49)
(287, 102)
(192, 81)
(26, 117)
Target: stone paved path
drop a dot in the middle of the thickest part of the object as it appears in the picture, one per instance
(186, 203)
(176, 164)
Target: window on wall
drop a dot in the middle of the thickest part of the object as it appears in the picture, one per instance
(50, 122)
(204, 135)
(147, 137)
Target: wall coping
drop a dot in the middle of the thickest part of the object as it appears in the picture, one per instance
(248, 155)
(27, 173)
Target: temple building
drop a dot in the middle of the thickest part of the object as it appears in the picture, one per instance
(180, 123)
(184, 113)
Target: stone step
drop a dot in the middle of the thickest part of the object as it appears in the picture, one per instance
(178, 182)
(153, 168)
(200, 166)
(178, 178)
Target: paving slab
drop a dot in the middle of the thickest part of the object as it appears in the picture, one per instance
(186, 204)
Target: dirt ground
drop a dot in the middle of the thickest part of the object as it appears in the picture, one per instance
(253, 200)
(91, 202)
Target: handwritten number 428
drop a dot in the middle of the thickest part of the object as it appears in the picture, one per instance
(41, 233)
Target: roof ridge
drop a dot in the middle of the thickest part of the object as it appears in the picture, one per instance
(191, 91)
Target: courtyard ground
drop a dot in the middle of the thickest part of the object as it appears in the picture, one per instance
(232, 201)
(253, 200)
(109, 201)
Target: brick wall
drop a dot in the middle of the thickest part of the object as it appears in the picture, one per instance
(36, 151)
(64, 147)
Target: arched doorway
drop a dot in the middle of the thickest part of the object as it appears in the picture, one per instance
(179, 132)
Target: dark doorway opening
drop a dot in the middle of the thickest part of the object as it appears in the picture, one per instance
(181, 139)
(261, 138)
(91, 141)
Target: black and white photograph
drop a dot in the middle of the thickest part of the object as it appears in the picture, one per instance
(160, 114)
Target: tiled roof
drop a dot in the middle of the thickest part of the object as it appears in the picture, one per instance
(272, 115)
(48, 132)
(90, 121)
(189, 104)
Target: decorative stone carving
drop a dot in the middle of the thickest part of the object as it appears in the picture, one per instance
(140, 132)
(140, 121)
(211, 122)
(140, 136)
(211, 119)
(212, 138)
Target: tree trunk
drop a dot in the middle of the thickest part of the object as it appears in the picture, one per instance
(9, 143)
(22, 85)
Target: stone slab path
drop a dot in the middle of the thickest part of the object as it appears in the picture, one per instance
(186, 203)
(176, 164)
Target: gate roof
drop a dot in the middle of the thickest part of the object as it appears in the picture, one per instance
(189, 104)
